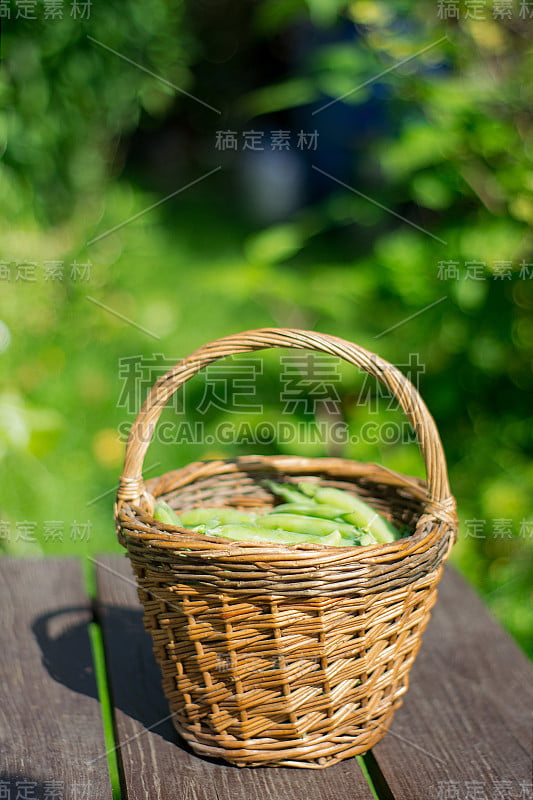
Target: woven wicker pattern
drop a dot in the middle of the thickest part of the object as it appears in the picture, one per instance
(276, 654)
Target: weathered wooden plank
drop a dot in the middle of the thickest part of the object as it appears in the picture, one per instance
(155, 762)
(50, 723)
(466, 727)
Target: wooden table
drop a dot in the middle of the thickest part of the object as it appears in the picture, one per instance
(464, 732)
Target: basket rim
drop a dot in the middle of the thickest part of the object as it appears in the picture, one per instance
(433, 522)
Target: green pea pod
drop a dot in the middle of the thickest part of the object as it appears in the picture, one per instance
(367, 538)
(329, 496)
(311, 526)
(380, 528)
(288, 492)
(357, 512)
(311, 510)
(163, 513)
(249, 534)
(216, 516)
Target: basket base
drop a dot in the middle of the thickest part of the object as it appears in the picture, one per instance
(315, 752)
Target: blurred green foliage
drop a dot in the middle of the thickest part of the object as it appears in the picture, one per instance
(456, 162)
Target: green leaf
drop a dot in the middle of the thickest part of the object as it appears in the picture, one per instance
(274, 244)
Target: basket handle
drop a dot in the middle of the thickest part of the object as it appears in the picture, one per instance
(131, 487)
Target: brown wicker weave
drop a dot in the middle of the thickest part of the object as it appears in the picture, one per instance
(275, 654)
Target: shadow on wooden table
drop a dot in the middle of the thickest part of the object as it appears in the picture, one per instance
(133, 675)
(67, 656)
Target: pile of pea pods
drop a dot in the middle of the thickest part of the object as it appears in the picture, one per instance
(310, 514)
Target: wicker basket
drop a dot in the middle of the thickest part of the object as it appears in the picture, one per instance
(275, 654)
